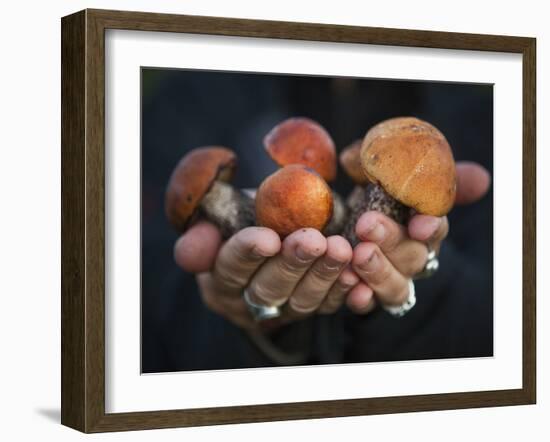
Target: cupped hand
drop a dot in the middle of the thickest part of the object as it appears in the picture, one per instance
(274, 272)
(304, 273)
(390, 254)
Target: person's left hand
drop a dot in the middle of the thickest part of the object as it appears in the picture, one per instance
(390, 254)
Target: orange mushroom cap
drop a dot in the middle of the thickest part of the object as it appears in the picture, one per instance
(192, 178)
(350, 160)
(413, 162)
(302, 141)
(292, 198)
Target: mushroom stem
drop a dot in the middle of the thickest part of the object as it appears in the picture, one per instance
(339, 216)
(372, 197)
(229, 208)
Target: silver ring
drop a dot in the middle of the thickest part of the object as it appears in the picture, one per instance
(431, 266)
(403, 309)
(260, 312)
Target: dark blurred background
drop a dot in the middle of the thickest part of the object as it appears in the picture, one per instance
(183, 109)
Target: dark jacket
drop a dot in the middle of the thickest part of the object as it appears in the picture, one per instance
(184, 109)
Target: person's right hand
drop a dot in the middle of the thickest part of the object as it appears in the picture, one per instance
(306, 272)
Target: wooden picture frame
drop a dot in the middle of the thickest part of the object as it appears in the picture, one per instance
(83, 220)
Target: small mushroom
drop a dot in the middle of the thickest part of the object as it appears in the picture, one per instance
(200, 182)
(300, 140)
(292, 198)
(408, 164)
(350, 160)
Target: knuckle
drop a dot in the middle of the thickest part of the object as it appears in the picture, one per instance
(381, 276)
(289, 271)
(264, 293)
(242, 252)
(390, 243)
(232, 280)
(300, 305)
(324, 273)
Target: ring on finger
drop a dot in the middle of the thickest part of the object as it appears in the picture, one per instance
(431, 265)
(401, 310)
(260, 312)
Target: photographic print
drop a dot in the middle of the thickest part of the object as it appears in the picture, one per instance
(252, 204)
(322, 202)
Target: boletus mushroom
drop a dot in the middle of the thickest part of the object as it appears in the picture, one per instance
(409, 166)
(350, 160)
(292, 198)
(300, 140)
(199, 183)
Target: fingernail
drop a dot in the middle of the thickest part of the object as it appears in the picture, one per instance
(377, 233)
(303, 256)
(433, 225)
(346, 286)
(348, 282)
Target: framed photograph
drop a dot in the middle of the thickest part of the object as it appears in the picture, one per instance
(269, 220)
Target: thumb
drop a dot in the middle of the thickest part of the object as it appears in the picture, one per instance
(473, 181)
(196, 250)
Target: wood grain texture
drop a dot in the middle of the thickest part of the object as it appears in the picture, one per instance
(83, 220)
(145, 21)
(95, 221)
(529, 220)
(73, 258)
